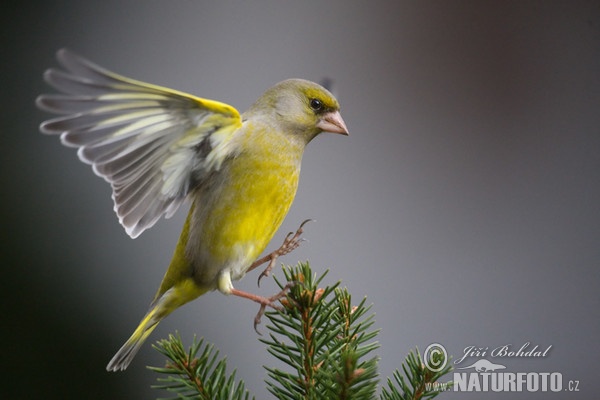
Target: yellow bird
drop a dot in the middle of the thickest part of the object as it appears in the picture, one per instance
(158, 147)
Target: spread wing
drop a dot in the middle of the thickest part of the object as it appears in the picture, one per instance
(152, 144)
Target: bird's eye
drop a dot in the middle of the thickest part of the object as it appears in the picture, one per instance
(316, 105)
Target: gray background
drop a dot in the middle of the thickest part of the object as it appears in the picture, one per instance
(464, 204)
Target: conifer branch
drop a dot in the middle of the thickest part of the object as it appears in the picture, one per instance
(330, 337)
(196, 374)
(418, 382)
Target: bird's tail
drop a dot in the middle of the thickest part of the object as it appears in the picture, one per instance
(159, 309)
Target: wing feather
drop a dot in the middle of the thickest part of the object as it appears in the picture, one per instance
(152, 144)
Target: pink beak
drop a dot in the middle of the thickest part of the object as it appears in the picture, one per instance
(333, 122)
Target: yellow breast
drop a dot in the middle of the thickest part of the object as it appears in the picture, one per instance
(236, 216)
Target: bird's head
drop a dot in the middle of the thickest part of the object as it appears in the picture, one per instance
(302, 108)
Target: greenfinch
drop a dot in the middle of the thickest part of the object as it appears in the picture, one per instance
(158, 147)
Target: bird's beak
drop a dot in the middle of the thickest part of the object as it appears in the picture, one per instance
(333, 122)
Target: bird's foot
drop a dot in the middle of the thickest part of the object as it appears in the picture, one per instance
(290, 243)
(264, 301)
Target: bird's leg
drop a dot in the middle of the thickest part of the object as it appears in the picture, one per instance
(263, 301)
(290, 243)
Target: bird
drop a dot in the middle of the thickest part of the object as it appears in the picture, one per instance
(159, 148)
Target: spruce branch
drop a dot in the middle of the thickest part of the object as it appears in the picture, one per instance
(354, 378)
(322, 338)
(418, 382)
(197, 373)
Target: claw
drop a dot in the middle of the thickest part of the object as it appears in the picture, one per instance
(270, 302)
(290, 243)
(264, 301)
(267, 271)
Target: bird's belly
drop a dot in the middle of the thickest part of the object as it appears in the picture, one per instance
(234, 224)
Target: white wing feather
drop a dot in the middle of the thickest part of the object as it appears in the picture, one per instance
(150, 143)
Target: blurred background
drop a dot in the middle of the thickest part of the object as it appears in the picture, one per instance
(464, 204)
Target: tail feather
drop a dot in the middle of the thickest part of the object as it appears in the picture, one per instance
(183, 292)
(123, 358)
